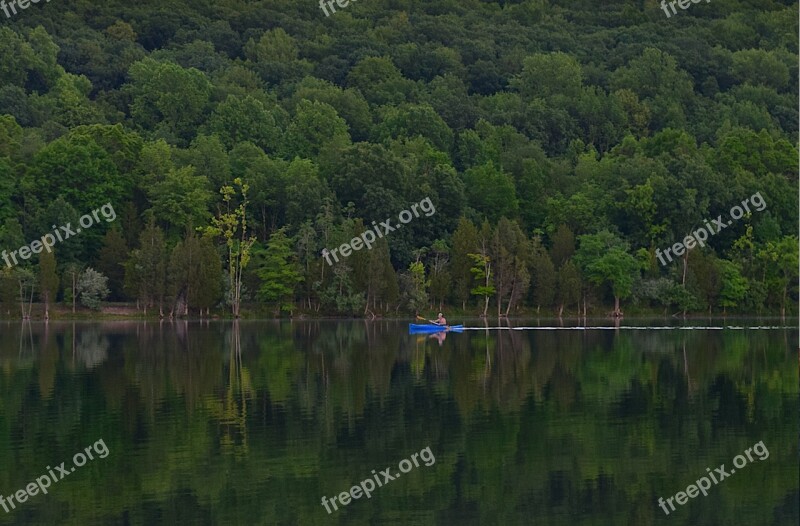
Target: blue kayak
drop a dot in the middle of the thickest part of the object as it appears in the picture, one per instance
(415, 328)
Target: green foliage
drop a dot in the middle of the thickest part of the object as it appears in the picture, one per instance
(279, 273)
(231, 226)
(491, 192)
(48, 277)
(93, 288)
(315, 126)
(417, 287)
(168, 99)
(146, 269)
(604, 259)
(734, 286)
(611, 126)
(245, 119)
(111, 263)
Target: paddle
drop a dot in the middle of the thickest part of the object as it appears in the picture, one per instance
(425, 319)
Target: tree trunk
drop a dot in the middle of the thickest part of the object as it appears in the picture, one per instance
(74, 291)
(685, 265)
(21, 300)
(560, 310)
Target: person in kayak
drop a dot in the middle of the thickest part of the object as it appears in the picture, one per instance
(440, 320)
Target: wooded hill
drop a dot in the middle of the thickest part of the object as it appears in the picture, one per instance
(561, 143)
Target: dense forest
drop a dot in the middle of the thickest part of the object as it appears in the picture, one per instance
(562, 143)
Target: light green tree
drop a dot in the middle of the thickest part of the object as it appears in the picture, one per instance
(604, 258)
(280, 273)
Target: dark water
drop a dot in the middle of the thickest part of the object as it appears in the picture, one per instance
(208, 424)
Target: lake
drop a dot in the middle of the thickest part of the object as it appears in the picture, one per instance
(255, 422)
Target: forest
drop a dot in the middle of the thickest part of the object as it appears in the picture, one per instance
(562, 144)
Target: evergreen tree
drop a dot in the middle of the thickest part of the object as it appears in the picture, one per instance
(280, 273)
(146, 269)
(563, 245)
(569, 286)
(482, 273)
(544, 277)
(464, 242)
(207, 283)
(48, 279)
(113, 255)
(438, 272)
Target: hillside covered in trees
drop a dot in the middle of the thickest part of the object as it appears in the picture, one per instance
(562, 143)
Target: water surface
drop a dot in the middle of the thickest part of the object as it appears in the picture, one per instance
(254, 422)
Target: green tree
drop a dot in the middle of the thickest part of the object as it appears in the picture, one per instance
(146, 269)
(569, 286)
(549, 74)
(604, 258)
(734, 285)
(438, 271)
(231, 225)
(280, 273)
(464, 242)
(72, 273)
(244, 119)
(417, 288)
(482, 273)
(779, 269)
(181, 199)
(545, 278)
(208, 277)
(111, 263)
(48, 279)
(168, 98)
(315, 127)
(563, 245)
(491, 192)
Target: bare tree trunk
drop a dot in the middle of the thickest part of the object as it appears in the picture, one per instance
(74, 291)
(21, 299)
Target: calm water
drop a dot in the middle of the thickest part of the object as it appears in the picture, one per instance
(214, 424)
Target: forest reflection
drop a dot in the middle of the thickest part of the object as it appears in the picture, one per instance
(573, 419)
